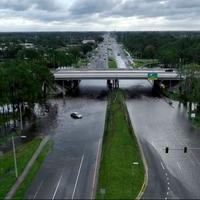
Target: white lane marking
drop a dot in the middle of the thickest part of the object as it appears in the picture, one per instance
(38, 189)
(167, 193)
(165, 198)
(79, 170)
(162, 166)
(168, 183)
(167, 178)
(94, 177)
(168, 188)
(179, 165)
(57, 186)
(153, 145)
(166, 174)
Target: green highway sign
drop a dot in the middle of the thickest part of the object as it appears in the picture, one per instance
(152, 76)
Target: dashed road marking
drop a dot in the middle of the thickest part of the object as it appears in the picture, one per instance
(179, 165)
(162, 166)
(57, 186)
(153, 145)
(38, 189)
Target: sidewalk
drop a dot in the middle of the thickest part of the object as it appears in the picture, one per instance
(27, 168)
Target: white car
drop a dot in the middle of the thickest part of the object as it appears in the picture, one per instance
(76, 115)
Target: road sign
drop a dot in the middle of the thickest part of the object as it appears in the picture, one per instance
(152, 76)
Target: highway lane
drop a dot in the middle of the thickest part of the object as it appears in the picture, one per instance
(70, 166)
(68, 171)
(158, 125)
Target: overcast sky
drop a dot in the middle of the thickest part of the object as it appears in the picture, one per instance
(99, 15)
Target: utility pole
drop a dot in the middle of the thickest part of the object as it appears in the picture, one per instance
(14, 154)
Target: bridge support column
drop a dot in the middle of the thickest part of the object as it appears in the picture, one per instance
(109, 84)
(72, 85)
(63, 88)
(156, 86)
(113, 84)
(116, 83)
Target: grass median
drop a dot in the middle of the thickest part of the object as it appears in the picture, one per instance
(21, 191)
(112, 63)
(7, 173)
(145, 62)
(121, 174)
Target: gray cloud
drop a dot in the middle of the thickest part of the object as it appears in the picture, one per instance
(172, 9)
(85, 7)
(139, 8)
(23, 5)
(177, 12)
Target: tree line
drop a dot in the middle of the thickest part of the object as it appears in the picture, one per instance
(23, 82)
(190, 86)
(170, 48)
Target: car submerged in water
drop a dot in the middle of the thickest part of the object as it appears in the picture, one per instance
(76, 115)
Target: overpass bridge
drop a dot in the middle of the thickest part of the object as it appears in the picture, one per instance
(107, 74)
(70, 78)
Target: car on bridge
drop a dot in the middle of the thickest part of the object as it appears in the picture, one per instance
(169, 70)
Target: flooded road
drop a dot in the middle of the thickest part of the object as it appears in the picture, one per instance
(69, 170)
(159, 125)
(76, 145)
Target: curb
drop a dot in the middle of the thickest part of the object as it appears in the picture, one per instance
(94, 189)
(139, 196)
(97, 167)
(23, 175)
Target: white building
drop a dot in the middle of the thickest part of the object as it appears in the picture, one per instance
(88, 41)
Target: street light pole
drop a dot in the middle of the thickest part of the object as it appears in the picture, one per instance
(14, 155)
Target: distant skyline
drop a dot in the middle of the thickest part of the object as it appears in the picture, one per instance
(99, 15)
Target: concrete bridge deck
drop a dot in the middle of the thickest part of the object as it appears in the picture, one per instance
(106, 74)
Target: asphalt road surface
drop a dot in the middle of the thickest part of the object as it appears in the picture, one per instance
(68, 171)
(158, 125)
